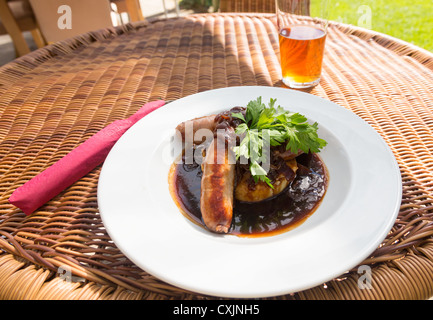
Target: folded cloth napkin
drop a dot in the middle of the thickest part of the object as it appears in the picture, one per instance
(76, 164)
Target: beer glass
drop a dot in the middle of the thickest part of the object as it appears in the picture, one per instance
(302, 28)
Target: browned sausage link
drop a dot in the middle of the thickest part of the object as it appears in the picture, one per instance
(206, 122)
(217, 184)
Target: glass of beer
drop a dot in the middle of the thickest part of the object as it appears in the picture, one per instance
(302, 27)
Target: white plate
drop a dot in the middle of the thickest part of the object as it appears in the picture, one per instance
(357, 212)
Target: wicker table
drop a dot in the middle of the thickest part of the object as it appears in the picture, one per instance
(57, 97)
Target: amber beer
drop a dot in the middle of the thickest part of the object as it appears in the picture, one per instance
(301, 53)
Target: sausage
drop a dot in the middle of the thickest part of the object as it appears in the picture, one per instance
(205, 122)
(217, 183)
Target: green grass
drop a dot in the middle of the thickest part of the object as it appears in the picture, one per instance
(409, 20)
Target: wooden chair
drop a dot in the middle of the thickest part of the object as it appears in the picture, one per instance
(17, 16)
(264, 6)
(132, 7)
(85, 16)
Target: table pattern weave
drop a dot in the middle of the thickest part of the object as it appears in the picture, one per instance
(55, 98)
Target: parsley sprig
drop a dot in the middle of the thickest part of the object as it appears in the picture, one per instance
(264, 126)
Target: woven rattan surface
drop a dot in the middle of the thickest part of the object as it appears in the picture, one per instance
(55, 98)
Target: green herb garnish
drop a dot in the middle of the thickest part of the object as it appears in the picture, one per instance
(263, 126)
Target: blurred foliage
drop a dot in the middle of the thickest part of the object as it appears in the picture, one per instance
(409, 20)
(196, 5)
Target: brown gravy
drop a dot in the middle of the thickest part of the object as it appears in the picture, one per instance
(275, 215)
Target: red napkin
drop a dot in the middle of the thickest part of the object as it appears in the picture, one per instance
(75, 164)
